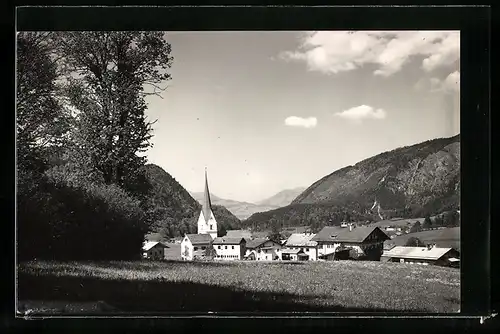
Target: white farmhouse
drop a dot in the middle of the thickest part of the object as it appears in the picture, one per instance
(193, 246)
(229, 249)
(304, 243)
(262, 250)
(153, 250)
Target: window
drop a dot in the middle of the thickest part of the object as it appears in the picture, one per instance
(232, 247)
(307, 249)
(225, 247)
(196, 248)
(218, 247)
(211, 226)
(203, 247)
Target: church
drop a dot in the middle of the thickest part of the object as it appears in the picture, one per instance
(194, 245)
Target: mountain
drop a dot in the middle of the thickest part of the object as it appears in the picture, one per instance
(242, 210)
(412, 181)
(176, 212)
(283, 198)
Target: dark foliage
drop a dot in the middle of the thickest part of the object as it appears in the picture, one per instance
(414, 242)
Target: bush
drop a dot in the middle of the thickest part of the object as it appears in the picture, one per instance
(69, 219)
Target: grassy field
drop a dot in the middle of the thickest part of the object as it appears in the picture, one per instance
(177, 286)
(448, 237)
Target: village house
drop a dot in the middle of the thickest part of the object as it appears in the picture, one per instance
(193, 246)
(430, 255)
(364, 242)
(288, 254)
(154, 250)
(229, 249)
(262, 250)
(305, 243)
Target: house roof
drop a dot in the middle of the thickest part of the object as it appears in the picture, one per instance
(239, 234)
(255, 243)
(416, 252)
(291, 251)
(228, 241)
(150, 244)
(197, 239)
(339, 234)
(301, 240)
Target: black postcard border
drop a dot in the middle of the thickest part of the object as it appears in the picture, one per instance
(473, 22)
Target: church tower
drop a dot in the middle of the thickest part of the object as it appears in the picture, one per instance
(206, 221)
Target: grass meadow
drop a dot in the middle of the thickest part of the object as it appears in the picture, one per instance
(177, 286)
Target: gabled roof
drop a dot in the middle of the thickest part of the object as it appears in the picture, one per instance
(301, 240)
(239, 234)
(339, 234)
(291, 251)
(416, 252)
(197, 239)
(150, 244)
(255, 243)
(228, 241)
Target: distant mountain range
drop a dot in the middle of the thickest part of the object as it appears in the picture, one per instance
(412, 181)
(283, 198)
(243, 210)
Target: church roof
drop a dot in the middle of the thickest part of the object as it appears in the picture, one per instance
(206, 206)
(197, 239)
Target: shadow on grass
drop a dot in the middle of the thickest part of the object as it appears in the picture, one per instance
(139, 296)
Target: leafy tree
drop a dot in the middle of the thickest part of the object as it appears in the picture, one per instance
(210, 252)
(427, 223)
(42, 125)
(451, 218)
(416, 227)
(275, 234)
(439, 220)
(414, 242)
(108, 74)
(186, 252)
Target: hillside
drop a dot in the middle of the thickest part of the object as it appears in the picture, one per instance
(283, 198)
(176, 211)
(242, 210)
(447, 237)
(408, 182)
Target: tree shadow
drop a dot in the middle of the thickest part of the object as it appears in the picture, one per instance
(140, 296)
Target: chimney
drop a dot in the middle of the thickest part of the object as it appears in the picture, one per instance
(350, 227)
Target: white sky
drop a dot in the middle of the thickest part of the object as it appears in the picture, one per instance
(268, 111)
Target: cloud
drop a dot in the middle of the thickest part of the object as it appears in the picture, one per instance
(362, 112)
(309, 122)
(450, 84)
(331, 52)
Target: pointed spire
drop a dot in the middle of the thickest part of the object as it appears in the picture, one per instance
(207, 205)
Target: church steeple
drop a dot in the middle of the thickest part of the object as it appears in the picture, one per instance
(206, 221)
(207, 205)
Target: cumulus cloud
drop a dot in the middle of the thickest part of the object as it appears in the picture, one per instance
(450, 84)
(361, 113)
(332, 52)
(309, 122)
